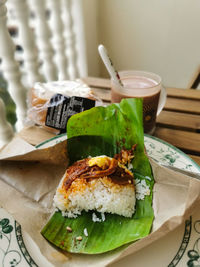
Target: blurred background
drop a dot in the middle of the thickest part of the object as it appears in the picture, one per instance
(158, 36)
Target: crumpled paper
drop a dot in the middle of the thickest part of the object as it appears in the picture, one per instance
(28, 180)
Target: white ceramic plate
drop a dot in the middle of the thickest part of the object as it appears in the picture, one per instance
(179, 248)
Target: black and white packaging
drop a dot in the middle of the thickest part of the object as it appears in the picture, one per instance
(53, 103)
(61, 108)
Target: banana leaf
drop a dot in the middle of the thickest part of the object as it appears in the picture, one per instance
(105, 131)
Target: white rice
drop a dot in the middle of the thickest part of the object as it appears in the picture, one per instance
(142, 189)
(103, 217)
(96, 219)
(130, 166)
(101, 195)
(148, 178)
(85, 232)
(98, 196)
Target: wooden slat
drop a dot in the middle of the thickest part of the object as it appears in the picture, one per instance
(172, 92)
(97, 82)
(179, 102)
(103, 94)
(188, 141)
(183, 93)
(177, 120)
(195, 158)
(172, 104)
(194, 78)
(183, 105)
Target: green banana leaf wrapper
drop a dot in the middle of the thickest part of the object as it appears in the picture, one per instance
(105, 131)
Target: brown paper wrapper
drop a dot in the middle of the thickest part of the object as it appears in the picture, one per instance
(28, 180)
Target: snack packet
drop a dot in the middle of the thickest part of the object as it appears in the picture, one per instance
(52, 104)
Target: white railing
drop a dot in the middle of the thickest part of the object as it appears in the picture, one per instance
(70, 38)
(6, 131)
(10, 69)
(43, 35)
(27, 40)
(53, 46)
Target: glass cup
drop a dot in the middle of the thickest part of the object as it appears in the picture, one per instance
(144, 85)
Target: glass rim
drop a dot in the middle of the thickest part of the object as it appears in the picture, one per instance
(140, 72)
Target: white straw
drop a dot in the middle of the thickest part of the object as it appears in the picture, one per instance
(109, 65)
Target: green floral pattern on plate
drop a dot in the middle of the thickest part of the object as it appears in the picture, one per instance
(13, 251)
(194, 253)
(12, 248)
(167, 154)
